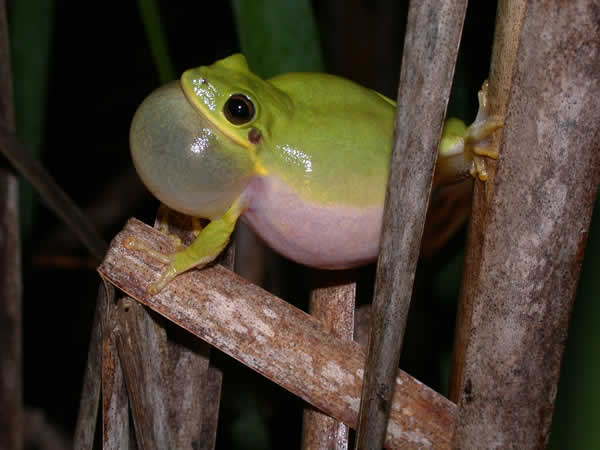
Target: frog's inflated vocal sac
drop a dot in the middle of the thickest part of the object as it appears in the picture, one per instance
(303, 158)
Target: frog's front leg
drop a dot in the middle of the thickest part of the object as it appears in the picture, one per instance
(209, 243)
(463, 149)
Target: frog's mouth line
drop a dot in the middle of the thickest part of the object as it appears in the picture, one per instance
(191, 97)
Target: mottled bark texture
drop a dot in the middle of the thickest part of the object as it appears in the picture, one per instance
(286, 345)
(158, 372)
(530, 223)
(332, 301)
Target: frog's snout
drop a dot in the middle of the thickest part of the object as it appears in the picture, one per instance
(183, 159)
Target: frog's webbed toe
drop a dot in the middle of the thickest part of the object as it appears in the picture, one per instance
(464, 150)
(209, 243)
(170, 259)
(477, 143)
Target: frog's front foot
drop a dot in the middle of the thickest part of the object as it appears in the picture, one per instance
(175, 262)
(167, 274)
(209, 243)
(477, 144)
(463, 150)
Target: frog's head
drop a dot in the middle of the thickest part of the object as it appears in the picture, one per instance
(239, 103)
(193, 142)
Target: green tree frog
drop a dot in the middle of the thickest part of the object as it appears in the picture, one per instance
(302, 158)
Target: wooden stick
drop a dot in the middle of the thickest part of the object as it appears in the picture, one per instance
(87, 417)
(430, 50)
(115, 408)
(193, 388)
(211, 402)
(332, 302)
(173, 402)
(520, 285)
(142, 347)
(277, 340)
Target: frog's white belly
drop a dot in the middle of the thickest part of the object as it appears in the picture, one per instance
(328, 237)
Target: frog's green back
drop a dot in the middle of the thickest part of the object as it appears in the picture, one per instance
(336, 146)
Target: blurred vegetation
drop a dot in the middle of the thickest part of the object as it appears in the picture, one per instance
(31, 54)
(150, 13)
(81, 69)
(278, 37)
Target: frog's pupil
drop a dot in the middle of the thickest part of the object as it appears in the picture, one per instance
(239, 109)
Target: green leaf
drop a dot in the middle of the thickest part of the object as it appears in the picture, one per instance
(278, 36)
(155, 34)
(31, 25)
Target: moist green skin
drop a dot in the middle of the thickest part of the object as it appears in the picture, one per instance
(340, 147)
(327, 138)
(321, 146)
(303, 158)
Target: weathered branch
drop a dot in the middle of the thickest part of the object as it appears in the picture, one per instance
(272, 337)
(430, 50)
(173, 401)
(210, 412)
(195, 387)
(87, 417)
(509, 23)
(173, 394)
(532, 225)
(115, 408)
(188, 388)
(141, 346)
(332, 301)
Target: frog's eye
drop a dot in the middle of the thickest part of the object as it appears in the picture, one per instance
(239, 109)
